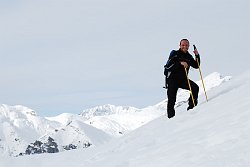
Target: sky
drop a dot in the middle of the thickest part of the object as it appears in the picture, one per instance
(66, 56)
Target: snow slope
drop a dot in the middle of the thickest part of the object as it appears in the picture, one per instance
(213, 134)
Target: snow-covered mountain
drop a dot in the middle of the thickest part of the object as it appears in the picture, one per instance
(212, 134)
(23, 131)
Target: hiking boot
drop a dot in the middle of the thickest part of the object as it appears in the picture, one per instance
(190, 107)
(171, 113)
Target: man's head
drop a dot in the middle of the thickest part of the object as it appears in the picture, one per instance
(184, 45)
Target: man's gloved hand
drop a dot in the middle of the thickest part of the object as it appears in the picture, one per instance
(185, 64)
(196, 52)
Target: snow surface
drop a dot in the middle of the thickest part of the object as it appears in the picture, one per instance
(212, 134)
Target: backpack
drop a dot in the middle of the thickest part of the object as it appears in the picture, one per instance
(169, 66)
(167, 74)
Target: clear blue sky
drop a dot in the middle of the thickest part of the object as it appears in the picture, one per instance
(65, 56)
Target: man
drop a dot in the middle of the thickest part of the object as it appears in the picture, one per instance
(176, 76)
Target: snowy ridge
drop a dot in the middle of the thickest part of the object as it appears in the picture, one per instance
(107, 109)
(212, 80)
(65, 118)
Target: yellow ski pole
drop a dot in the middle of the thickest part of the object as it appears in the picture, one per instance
(202, 79)
(201, 76)
(190, 87)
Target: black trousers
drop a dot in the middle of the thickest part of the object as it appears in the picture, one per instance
(173, 85)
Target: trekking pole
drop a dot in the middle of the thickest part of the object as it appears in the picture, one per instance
(165, 87)
(201, 76)
(166, 103)
(190, 86)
